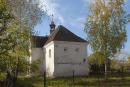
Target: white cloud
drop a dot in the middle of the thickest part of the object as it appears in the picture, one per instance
(80, 21)
(51, 7)
(88, 1)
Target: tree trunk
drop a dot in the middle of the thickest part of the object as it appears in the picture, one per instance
(8, 81)
(106, 69)
(11, 76)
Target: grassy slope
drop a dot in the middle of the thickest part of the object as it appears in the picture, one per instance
(79, 82)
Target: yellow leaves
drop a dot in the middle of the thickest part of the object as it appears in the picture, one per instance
(18, 51)
(98, 57)
(115, 64)
(122, 35)
(90, 18)
(128, 59)
(19, 39)
(2, 3)
(102, 9)
(94, 31)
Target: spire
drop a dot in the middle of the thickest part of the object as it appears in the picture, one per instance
(52, 25)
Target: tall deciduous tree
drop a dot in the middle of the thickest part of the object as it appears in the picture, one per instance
(28, 11)
(17, 19)
(106, 27)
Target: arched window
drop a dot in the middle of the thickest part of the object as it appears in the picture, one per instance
(84, 60)
(49, 52)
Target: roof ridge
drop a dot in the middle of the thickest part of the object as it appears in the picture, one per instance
(61, 33)
(56, 31)
(52, 35)
(39, 36)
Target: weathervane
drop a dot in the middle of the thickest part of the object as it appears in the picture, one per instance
(60, 23)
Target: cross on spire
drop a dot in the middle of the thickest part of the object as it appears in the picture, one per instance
(52, 17)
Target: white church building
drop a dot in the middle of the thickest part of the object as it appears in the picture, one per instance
(62, 52)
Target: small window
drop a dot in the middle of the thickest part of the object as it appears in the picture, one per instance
(56, 45)
(77, 49)
(84, 60)
(65, 49)
(49, 52)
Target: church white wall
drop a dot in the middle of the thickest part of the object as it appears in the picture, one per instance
(70, 60)
(38, 54)
(49, 59)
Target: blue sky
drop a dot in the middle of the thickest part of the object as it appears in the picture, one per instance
(71, 14)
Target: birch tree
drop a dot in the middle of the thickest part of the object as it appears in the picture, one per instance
(106, 27)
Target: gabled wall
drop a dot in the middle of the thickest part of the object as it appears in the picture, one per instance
(68, 59)
(49, 60)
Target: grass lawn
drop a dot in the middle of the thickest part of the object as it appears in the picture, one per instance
(91, 81)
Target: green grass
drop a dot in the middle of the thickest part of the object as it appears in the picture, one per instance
(91, 81)
(2, 76)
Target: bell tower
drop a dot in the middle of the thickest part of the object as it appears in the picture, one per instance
(52, 25)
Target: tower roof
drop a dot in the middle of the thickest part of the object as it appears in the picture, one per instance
(63, 34)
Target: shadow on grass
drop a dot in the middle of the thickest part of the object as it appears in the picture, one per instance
(104, 83)
(77, 82)
(25, 82)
